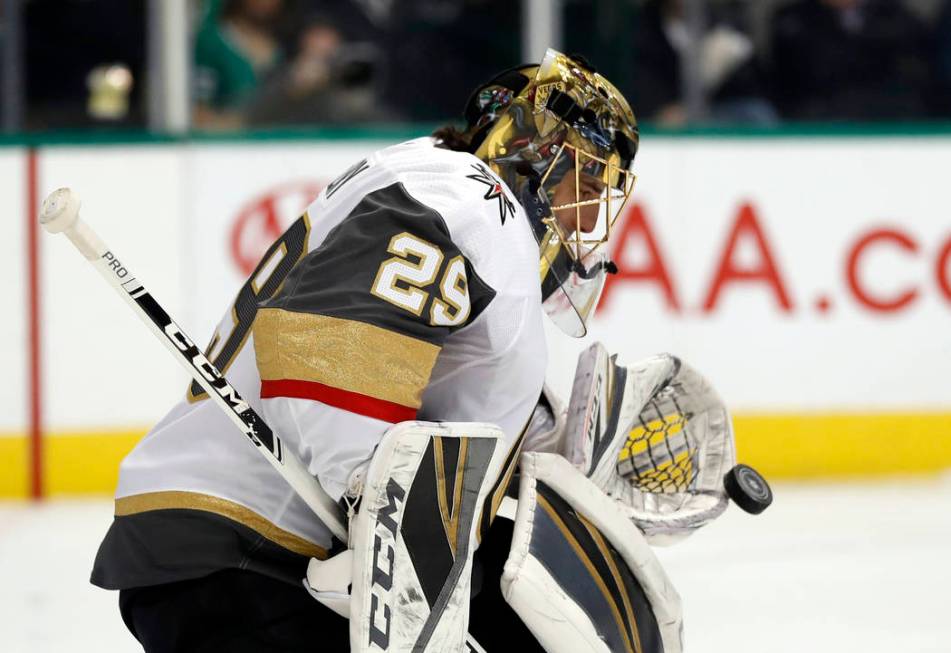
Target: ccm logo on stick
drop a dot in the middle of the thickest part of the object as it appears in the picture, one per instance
(120, 271)
(200, 363)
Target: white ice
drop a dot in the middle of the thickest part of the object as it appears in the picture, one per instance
(836, 568)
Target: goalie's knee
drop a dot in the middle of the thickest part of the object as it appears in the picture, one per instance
(580, 574)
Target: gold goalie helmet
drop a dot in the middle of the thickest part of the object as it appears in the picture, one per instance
(563, 138)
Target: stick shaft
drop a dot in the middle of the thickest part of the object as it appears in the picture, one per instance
(207, 375)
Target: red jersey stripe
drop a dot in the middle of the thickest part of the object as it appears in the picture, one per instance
(353, 402)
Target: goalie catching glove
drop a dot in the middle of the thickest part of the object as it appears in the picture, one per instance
(654, 436)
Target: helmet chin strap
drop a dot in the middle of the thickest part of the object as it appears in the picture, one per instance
(588, 273)
(534, 179)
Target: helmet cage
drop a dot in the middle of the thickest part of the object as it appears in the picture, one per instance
(618, 185)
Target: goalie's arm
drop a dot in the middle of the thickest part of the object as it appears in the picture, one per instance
(347, 346)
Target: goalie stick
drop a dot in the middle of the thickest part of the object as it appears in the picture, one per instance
(60, 214)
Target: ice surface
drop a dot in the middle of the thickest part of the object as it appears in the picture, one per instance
(837, 568)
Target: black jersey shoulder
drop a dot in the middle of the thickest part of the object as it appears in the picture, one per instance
(336, 278)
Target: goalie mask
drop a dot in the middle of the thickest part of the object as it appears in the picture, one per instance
(563, 138)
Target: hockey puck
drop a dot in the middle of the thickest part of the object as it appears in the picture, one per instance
(748, 489)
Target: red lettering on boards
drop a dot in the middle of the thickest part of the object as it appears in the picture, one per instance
(857, 251)
(635, 227)
(259, 222)
(941, 270)
(765, 270)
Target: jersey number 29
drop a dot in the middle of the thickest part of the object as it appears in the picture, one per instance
(405, 281)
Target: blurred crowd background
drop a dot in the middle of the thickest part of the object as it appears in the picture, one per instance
(263, 63)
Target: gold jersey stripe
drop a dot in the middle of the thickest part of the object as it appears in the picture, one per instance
(345, 354)
(174, 499)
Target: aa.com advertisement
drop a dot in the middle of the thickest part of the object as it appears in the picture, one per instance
(798, 275)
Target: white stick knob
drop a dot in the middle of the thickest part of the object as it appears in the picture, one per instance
(60, 210)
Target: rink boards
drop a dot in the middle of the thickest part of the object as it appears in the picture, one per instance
(808, 278)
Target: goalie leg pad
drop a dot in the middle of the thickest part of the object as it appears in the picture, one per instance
(415, 533)
(580, 575)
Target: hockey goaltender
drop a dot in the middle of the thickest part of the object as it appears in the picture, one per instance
(393, 338)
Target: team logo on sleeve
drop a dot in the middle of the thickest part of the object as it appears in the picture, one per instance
(495, 190)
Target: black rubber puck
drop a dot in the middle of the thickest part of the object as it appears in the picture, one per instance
(748, 489)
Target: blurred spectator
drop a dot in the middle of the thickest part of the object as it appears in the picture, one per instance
(347, 60)
(729, 71)
(601, 33)
(236, 48)
(943, 60)
(438, 50)
(850, 60)
(328, 78)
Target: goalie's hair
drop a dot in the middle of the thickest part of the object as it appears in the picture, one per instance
(451, 138)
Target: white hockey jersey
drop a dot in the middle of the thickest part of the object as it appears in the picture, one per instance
(408, 290)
